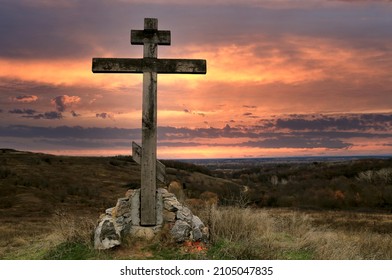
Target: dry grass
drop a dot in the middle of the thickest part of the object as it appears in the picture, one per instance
(71, 228)
(346, 235)
(240, 233)
(235, 234)
(33, 238)
(288, 234)
(22, 239)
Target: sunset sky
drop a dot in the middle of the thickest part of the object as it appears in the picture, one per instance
(284, 77)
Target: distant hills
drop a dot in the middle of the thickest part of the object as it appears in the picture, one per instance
(38, 184)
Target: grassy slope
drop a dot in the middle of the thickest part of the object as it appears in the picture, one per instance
(39, 184)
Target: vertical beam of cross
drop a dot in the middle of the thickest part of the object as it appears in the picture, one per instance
(150, 66)
(149, 131)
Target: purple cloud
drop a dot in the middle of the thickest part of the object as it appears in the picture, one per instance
(47, 115)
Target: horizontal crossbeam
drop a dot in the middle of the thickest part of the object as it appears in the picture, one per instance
(162, 66)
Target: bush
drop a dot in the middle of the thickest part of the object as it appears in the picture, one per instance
(382, 176)
(5, 172)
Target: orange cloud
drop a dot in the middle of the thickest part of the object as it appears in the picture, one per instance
(290, 60)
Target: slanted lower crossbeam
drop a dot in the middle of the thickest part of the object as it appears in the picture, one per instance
(137, 157)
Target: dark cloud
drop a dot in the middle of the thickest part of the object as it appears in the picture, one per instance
(105, 116)
(381, 122)
(23, 111)
(71, 132)
(103, 137)
(376, 118)
(178, 144)
(249, 107)
(47, 115)
(74, 114)
(26, 98)
(167, 133)
(33, 114)
(250, 115)
(297, 143)
(64, 101)
(50, 31)
(186, 137)
(86, 144)
(77, 28)
(194, 113)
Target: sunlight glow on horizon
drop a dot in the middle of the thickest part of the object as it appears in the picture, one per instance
(206, 152)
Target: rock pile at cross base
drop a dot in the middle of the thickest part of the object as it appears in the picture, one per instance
(124, 219)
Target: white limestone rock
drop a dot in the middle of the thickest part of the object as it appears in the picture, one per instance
(106, 234)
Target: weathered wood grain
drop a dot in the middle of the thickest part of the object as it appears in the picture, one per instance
(161, 66)
(139, 37)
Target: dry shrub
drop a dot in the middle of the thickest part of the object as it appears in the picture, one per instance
(209, 198)
(176, 188)
(383, 176)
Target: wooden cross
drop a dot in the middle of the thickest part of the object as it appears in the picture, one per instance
(150, 66)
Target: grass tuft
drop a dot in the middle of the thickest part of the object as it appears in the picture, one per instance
(71, 251)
